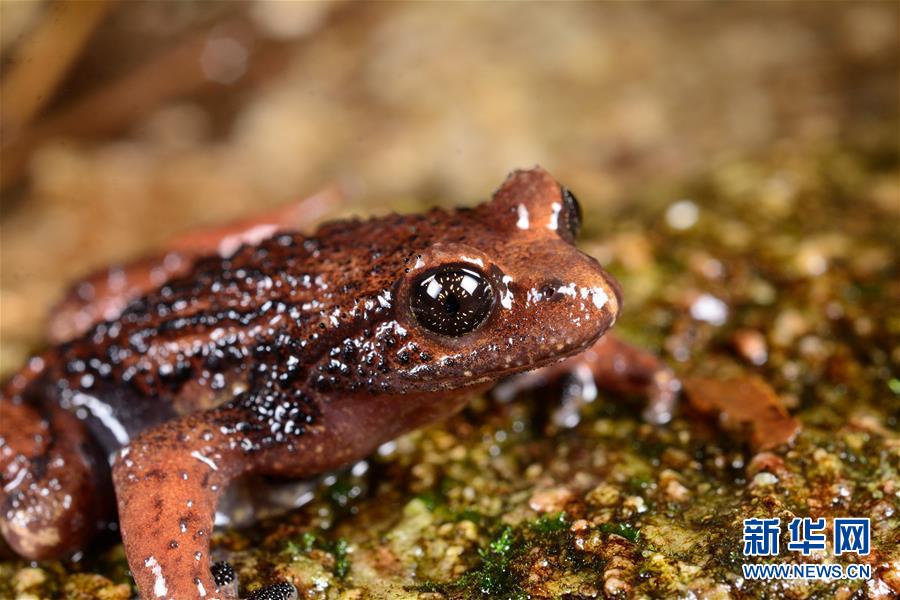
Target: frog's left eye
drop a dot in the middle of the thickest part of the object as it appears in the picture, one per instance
(452, 300)
(570, 215)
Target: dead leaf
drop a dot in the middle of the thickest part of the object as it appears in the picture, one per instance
(747, 408)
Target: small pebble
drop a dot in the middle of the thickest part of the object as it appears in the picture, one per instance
(765, 461)
(709, 309)
(550, 500)
(603, 495)
(763, 479)
(682, 215)
(751, 346)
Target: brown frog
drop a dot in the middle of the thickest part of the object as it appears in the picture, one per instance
(258, 350)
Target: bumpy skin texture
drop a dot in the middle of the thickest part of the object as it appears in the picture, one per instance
(291, 356)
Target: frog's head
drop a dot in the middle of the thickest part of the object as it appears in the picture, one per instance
(505, 290)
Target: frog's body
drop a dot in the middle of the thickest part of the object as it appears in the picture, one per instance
(292, 356)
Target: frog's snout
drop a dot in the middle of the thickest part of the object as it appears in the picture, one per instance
(571, 305)
(591, 275)
(617, 291)
(612, 289)
(594, 299)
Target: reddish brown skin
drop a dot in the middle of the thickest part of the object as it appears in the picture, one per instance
(293, 356)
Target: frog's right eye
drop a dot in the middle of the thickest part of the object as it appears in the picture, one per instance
(452, 300)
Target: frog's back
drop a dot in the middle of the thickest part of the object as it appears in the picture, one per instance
(197, 341)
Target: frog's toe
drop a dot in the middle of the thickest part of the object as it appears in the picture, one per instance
(277, 591)
(662, 396)
(578, 387)
(226, 581)
(225, 578)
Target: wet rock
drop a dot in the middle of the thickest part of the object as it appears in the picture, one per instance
(765, 462)
(672, 488)
(550, 500)
(763, 479)
(890, 575)
(789, 325)
(88, 586)
(603, 495)
(29, 580)
(620, 567)
(633, 505)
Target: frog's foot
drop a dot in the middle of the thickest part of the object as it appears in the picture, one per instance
(225, 578)
(609, 364)
(276, 591)
(55, 483)
(226, 581)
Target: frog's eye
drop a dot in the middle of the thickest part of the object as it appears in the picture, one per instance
(570, 216)
(452, 300)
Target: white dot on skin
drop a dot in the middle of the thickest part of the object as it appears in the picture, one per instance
(553, 224)
(506, 297)
(599, 297)
(160, 588)
(387, 448)
(522, 222)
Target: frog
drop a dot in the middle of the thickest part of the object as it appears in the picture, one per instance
(258, 349)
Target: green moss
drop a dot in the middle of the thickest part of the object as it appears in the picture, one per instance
(894, 385)
(493, 577)
(629, 532)
(548, 524)
(341, 561)
(501, 545)
(430, 498)
(306, 542)
(468, 515)
(301, 544)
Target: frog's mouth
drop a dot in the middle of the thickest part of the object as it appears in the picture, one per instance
(480, 367)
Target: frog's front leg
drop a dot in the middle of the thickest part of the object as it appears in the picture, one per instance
(168, 482)
(609, 364)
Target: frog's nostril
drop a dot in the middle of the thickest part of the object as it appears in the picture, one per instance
(550, 288)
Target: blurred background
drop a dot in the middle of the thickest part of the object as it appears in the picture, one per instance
(124, 123)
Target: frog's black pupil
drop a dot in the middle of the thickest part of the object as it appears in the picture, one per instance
(452, 300)
(451, 305)
(571, 214)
